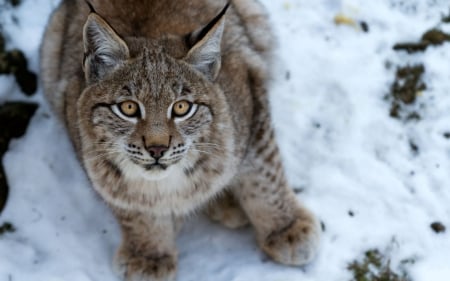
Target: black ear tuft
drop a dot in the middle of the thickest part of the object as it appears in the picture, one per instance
(204, 44)
(198, 35)
(91, 8)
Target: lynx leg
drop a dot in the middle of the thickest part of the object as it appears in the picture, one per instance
(226, 210)
(147, 252)
(285, 230)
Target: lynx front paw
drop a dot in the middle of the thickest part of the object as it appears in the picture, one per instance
(294, 244)
(145, 267)
(227, 211)
(232, 217)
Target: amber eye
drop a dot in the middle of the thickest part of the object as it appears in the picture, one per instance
(129, 108)
(181, 108)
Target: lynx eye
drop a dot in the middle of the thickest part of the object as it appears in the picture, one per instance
(129, 108)
(181, 108)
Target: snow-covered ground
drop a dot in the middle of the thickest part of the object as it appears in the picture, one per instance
(352, 161)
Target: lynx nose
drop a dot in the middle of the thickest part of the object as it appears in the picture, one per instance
(157, 151)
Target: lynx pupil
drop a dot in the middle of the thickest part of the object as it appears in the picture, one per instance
(129, 108)
(181, 108)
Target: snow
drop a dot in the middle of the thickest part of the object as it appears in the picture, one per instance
(339, 144)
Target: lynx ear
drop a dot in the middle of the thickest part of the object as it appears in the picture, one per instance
(205, 54)
(104, 50)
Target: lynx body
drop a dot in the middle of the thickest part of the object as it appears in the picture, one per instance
(166, 104)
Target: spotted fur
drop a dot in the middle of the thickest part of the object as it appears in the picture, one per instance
(156, 168)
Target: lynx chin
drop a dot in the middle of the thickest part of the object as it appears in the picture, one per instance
(166, 104)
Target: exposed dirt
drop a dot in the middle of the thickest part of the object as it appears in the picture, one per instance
(408, 82)
(15, 117)
(407, 86)
(432, 37)
(375, 266)
(6, 227)
(14, 62)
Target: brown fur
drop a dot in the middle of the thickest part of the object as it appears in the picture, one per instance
(156, 53)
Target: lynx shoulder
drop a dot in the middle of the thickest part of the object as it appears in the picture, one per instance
(166, 105)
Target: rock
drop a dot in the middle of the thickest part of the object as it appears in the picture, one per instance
(7, 227)
(2, 43)
(15, 117)
(411, 47)
(435, 37)
(364, 26)
(430, 37)
(14, 62)
(437, 227)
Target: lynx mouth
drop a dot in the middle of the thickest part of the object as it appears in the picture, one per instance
(155, 167)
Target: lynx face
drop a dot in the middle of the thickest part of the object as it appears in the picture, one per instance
(150, 113)
(155, 118)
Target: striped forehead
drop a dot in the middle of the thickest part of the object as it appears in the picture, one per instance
(158, 78)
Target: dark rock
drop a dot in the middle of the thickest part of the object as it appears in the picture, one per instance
(27, 81)
(15, 3)
(411, 47)
(364, 26)
(7, 227)
(437, 227)
(435, 37)
(15, 117)
(14, 62)
(2, 43)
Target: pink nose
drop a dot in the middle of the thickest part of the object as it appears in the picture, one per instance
(157, 151)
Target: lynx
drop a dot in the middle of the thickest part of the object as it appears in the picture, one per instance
(166, 103)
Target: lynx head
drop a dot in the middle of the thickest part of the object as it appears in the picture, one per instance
(150, 107)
